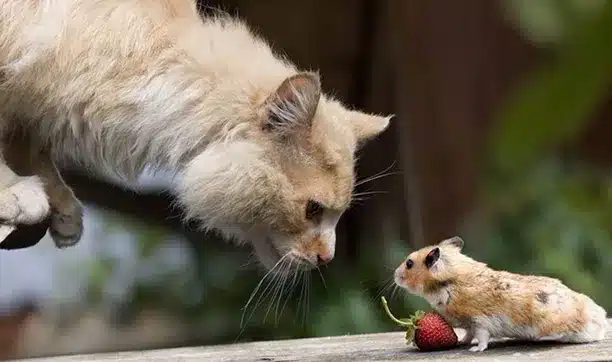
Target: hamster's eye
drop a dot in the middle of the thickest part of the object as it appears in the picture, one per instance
(314, 210)
(409, 263)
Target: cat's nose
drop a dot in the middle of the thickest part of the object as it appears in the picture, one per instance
(324, 258)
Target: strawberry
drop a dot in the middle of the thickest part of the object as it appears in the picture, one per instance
(428, 331)
(434, 333)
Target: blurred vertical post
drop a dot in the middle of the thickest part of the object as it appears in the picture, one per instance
(454, 62)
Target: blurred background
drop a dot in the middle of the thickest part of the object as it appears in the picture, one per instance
(501, 136)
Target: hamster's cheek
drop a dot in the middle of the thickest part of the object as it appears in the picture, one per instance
(399, 277)
(411, 283)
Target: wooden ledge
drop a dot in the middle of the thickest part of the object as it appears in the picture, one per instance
(365, 347)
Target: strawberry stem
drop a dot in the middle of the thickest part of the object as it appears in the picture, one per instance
(401, 323)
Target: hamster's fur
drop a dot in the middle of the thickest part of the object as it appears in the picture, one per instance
(489, 303)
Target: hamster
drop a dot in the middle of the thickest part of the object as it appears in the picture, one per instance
(489, 303)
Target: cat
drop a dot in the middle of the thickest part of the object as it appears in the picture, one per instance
(261, 154)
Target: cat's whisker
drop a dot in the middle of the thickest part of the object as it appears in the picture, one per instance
(302, 289)
(373, 178)
(283, 292)
(278, 288)
(322, 279)
(361, 196)
(308, 296)
(295, 273)
(365, 193)
(383, 173)
(250, 260)
(270, 272)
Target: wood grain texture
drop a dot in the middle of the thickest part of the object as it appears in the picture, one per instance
(366, 347)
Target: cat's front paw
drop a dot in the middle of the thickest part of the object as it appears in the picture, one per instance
(66, 223)
(6, 230)
(25, 202)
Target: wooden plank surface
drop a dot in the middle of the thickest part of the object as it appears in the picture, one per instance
(366, 347)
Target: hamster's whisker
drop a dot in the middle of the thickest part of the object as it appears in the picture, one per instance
(383, 287)
(394, 292)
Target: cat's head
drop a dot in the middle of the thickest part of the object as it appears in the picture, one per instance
(282, 182)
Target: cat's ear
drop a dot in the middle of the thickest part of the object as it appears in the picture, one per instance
(293, 105)
(366, 126)
(455, 241)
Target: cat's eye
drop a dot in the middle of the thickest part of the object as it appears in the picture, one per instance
(314, 210)
(409, 263)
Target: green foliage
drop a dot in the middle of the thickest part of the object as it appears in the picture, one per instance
(542, 213)
(555, 222)
(549, 22)
(553, 105)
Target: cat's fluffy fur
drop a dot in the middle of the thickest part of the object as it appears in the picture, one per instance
(118, 85)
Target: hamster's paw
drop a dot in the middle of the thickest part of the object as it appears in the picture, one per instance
(479, 347)
(482, 335)
(468, 338)
(25, 202)
(66, 223)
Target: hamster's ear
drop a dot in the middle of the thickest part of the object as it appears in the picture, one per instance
(432, 257)
(455, 241)
(293, 105)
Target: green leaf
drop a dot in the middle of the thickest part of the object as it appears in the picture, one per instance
(555, 103)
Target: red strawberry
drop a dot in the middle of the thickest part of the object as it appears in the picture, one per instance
(429, 331)
(433, 333)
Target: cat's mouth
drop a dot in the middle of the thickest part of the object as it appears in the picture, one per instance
(281, 261)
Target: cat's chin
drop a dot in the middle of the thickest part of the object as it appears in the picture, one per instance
(267, 254)
(282, 262)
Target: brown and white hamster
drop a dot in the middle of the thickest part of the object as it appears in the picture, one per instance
(490, 303)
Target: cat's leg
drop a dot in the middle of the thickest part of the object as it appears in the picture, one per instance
(23, 200)
(66, 210)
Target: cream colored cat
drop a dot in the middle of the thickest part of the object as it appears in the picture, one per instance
(261, 154)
